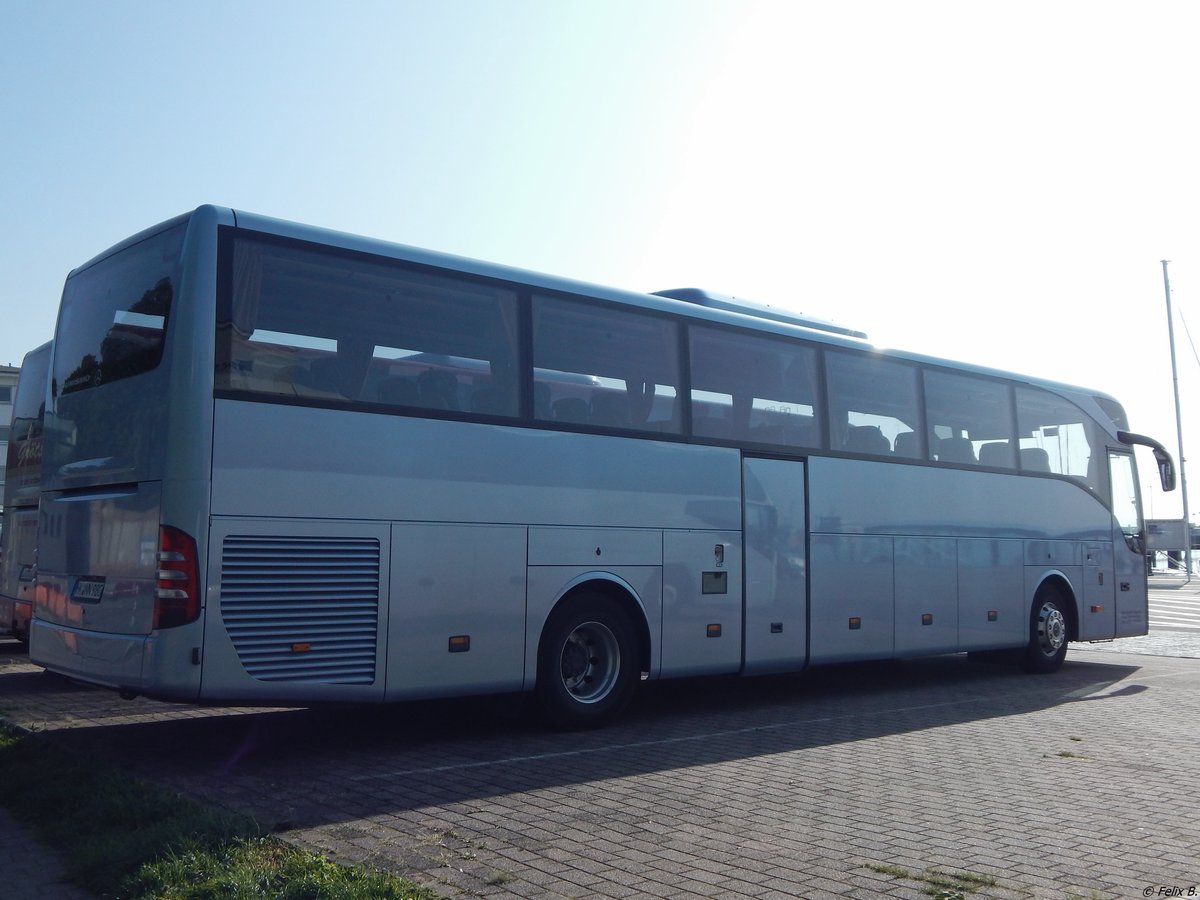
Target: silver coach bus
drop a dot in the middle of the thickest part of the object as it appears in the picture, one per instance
(286, 465)
(23, 469)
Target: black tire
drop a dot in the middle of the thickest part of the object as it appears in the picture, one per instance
(1049, 631)
(587, 662)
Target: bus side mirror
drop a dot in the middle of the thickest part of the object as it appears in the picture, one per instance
(1166, 470)
(1166, 465)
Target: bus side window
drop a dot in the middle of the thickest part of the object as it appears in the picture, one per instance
(605, 367)
(873, 402)
(1058, 435)
(324, 324)
(753, 388)
(970, 420)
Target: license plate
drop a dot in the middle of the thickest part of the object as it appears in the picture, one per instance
(89, 589)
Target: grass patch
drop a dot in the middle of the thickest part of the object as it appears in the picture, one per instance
(954, 884)
(120, 836)
(262, 867)
(938, 884)
(893, 871)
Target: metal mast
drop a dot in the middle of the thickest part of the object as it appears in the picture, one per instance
(1187, 519)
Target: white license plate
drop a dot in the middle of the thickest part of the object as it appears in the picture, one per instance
(91, 590)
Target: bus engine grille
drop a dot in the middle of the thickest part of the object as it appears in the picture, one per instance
(302, 609)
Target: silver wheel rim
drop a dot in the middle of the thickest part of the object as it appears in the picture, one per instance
(590, 662)
(1052, 629)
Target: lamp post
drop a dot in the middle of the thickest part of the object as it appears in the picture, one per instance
(1187, 520)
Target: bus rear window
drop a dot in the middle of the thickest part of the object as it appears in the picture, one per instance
(114, 314)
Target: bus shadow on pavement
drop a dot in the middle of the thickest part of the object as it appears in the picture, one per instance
(305, 768)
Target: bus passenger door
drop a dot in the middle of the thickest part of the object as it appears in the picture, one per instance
(776, 630)
(1128, 548)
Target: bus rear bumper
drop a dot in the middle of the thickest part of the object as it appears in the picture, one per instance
(109, 660)
(116, 661)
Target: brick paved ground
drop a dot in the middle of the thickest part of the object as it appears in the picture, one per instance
(1079, 784)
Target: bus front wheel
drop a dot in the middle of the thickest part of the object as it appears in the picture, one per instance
(587, 666)
(1049, 631)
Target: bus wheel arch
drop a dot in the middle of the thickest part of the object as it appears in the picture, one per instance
(591, 653)
(1052, 625)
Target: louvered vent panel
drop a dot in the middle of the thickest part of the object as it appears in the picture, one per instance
(281, 594)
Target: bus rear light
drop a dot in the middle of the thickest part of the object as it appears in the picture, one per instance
(177, 597)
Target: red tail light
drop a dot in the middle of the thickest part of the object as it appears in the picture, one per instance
(177, 599)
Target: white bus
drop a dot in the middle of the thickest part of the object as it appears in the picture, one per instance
(23, 467)
(286, 465)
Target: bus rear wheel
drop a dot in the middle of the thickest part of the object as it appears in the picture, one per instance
(1049, 631)
(587, 666)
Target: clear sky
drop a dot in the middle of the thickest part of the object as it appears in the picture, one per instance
(993, 182)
